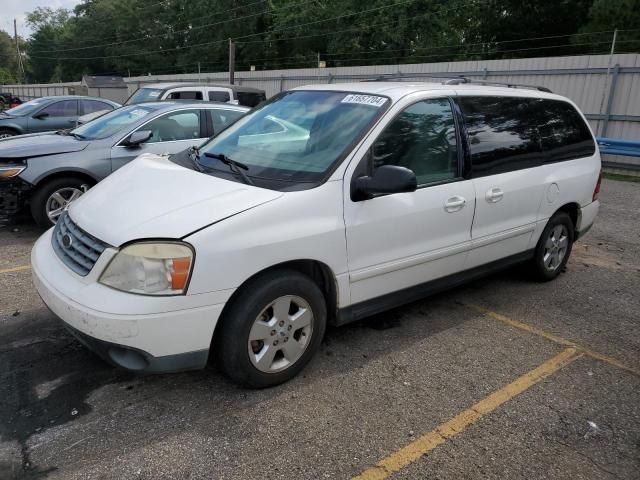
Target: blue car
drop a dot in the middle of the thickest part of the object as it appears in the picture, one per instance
(50, 113)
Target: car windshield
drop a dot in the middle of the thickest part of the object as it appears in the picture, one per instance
(112, 122)
(144, 95)
(297, 137)
(27, 107)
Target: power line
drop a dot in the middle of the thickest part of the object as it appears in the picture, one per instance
(236, 38)
(186, 30)
(215, 13)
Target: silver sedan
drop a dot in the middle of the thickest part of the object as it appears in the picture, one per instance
(47, 171)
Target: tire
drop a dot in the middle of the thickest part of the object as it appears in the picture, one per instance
(7, 132)
(43, 203)
(554, 247)
(239, 357)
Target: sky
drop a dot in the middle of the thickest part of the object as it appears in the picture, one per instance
(18, 9)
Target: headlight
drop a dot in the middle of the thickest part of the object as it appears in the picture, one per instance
(150, 268)
(13, 171)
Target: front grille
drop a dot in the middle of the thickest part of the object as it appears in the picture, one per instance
(79, 251)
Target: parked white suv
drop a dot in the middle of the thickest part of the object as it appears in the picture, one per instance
(325, 205)
(235, 94)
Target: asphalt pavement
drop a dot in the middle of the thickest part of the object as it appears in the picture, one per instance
(501, 378)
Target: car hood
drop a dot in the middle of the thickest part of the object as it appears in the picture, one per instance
(39, 145)
(152, 197)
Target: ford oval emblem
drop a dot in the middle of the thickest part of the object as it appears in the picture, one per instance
(67, 241)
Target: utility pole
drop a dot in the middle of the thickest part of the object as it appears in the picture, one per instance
(18, 58)
(606, 83)
(232, 61)
(199, 80)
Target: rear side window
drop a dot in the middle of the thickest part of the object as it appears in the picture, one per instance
(221, 119)
(502, 134)
(564, 134)
(90, 106)
(186, 95)
(219, 96)
(250, 99)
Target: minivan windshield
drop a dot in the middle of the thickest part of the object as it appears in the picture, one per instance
(112, 122)
(27, 107)
(144, 95)
(296, 137)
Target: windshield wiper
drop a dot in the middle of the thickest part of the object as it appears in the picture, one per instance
(234, 166)
(193, 153)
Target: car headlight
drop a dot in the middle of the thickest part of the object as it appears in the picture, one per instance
(150, 268)
(11, 171)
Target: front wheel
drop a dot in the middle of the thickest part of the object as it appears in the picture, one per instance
(54, 197)
(7, 132)
(554, 247)
(272, 329)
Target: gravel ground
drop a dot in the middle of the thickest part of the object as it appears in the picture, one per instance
(375, 386)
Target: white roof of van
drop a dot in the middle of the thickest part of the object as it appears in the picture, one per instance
(397, 90)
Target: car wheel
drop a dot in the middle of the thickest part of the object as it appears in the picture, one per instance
(54, 197)
(7, 132)
(271, 329)
(554, 247)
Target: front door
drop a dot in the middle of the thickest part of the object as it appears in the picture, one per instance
(170, 133)
(55, 116)
(401, 240)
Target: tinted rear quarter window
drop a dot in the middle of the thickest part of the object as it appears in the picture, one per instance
(219, 96)
(250, 99)
(502, 135)
(564, 133)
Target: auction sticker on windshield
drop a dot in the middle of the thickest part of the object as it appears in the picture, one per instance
(365, 99)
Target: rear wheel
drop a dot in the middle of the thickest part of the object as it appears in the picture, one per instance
(554, 247)
(7, 132)
(272, 329)
(54, 197)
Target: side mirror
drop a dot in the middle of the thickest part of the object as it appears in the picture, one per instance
(385, 180)
(41, 115)
(138, 138)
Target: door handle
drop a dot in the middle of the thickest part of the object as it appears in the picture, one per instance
(494, 195)
(454, 204)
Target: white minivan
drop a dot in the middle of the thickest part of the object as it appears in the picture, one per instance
(327, 204)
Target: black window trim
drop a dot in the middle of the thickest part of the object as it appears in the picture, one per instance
(365, 166)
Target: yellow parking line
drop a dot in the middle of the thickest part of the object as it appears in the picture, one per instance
(15, 269)
(554, 338)
(423, 445)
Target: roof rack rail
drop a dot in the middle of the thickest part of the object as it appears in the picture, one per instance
(460, 80)
(454, 80)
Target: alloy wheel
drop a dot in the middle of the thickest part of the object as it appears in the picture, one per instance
(281, 333)
(60, 200)
(555, 247)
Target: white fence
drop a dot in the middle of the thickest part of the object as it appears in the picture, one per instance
(607, 88)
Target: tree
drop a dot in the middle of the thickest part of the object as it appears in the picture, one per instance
(8, 63)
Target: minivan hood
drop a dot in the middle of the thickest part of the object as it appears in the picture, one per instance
(152, 197)
(39, 145)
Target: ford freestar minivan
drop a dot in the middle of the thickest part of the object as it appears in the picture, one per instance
(326, 204)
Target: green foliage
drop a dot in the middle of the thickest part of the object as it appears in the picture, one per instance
(137, 37)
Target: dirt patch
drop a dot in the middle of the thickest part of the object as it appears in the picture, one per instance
(600, 255)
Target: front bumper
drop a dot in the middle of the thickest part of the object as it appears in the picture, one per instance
(135, 332)
(13, 198)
